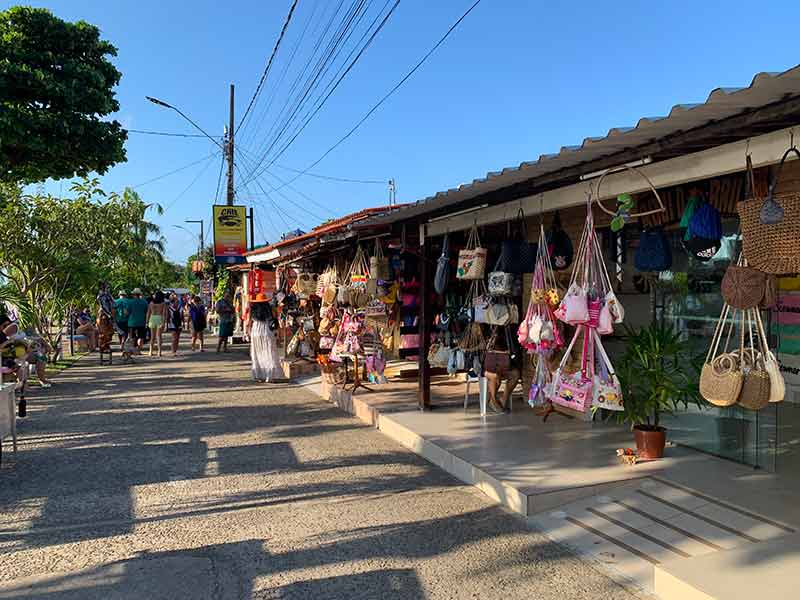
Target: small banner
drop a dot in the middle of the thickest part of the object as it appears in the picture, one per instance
(230, 234)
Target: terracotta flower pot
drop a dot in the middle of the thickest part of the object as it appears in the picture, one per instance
(650, 442)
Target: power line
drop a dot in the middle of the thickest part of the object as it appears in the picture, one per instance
(390, 93)
(219, 179)
(166, 133)
(322, 65)
(186, 189)
(338, 81)
(331, 178)
(269, 64)
(178, 170)
(353, 18)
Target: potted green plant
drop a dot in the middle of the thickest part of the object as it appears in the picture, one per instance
(658, 374)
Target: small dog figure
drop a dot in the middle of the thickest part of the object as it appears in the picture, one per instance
(129, 351)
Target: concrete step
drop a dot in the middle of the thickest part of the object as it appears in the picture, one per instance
(636, 529)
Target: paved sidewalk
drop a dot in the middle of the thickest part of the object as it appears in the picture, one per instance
(180, 478)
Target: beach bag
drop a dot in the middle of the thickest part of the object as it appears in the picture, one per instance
(574, 308)
(500, 283)
(755, 392)
(306, 285)
(606, 389)
(517, 254)
(770, 299)
(495, 360)
(472, 259)
(615, 307)
(777, 384)
(559, 245)
(498, 314)
(573, 390)
(771, 226)
(378, 264)
(442, 276)
(721, 377)
(654, 253)
(743, 287)
(358, 275)
(375, 308)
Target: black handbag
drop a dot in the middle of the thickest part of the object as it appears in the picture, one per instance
(517, 254)
(559, 245)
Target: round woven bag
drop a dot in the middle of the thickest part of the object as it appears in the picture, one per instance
(743, 287)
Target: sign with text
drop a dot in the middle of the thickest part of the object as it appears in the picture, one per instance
(230, 234)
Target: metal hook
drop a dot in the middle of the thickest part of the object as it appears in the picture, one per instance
(791, 138)
(747, 147)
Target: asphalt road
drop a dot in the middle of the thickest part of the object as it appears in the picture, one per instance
(180, 478)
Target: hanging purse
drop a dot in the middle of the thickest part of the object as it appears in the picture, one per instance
(574, 308)
(742, 286)
(496, 360)
(517, 254)
(606, 389)
(442, 276)
(572, 390)
(497, 314)
(721, 377)
(472, 259)
(777, 384)
(500, 283)
(755, 392)
(378, 264)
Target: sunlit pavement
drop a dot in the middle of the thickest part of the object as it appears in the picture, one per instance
(181, 478)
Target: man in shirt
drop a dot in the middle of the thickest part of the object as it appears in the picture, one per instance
(137, 317)
(121, 316)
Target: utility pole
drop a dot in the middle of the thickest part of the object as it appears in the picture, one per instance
(230, 152)
(392, 192)
(202, 226)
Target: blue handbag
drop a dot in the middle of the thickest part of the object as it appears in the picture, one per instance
(654, 252)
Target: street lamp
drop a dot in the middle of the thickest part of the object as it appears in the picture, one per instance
(200, 237)
(163, 104)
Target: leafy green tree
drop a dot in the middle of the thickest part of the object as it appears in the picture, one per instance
(56, 85)
(55, 251)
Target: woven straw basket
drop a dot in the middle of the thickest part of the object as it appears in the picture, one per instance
(771, 247)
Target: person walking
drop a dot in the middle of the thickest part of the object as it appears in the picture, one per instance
(137, 318)
(259, 327)
(174, 321)
(156, 320)
(226, 315)
(197, 315)
(121, 317)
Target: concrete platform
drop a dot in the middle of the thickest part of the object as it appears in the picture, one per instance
(565, 477)
(765, 571)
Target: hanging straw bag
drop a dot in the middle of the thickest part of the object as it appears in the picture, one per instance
(755, 392)
(777, 384)
(771, 227)
(358, 274)
(743, 287)
(721, 377)
(378, 264)
(472, 259)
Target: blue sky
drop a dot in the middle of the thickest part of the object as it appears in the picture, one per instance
(517, 79)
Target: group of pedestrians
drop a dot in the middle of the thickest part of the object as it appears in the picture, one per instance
(141, 321)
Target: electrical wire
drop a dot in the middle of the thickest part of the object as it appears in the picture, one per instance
(188, 187)
(323, 64)
(178, 170)
(336, 85)
(331, 178)
(167, 133)
(219, 179)
(269, 65)
(389, 94)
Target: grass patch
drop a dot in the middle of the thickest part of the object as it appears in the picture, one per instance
(64, 363)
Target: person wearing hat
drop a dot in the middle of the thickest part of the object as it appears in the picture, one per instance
(259, 327)
(121, 316)
(137, 317)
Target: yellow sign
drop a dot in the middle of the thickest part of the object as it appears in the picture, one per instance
(230, 234)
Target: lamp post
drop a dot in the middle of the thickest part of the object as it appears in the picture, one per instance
(227, 148)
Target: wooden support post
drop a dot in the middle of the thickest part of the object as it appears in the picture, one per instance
(425, 321)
